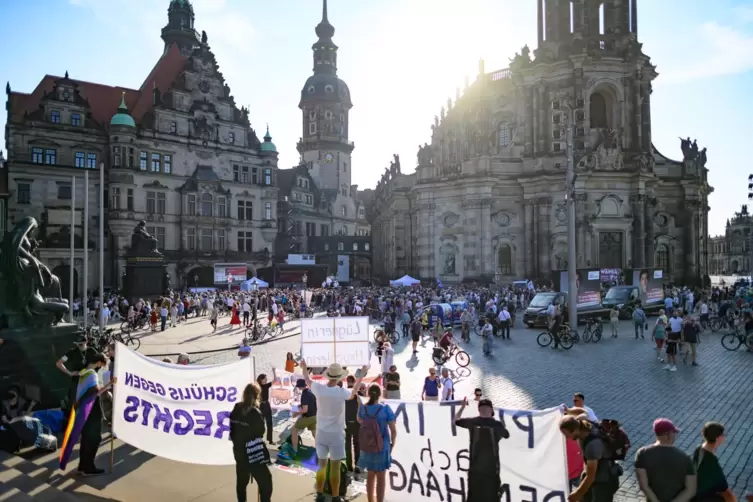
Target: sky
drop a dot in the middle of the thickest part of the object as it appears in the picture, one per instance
(401, 59)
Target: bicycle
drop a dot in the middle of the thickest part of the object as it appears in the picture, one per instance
(545, 339)
(135, 325)
(126, 339)
(392, 336)
(591, 333)
(441, 356)
(733, 341)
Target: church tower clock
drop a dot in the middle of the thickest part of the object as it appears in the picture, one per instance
(325, 104)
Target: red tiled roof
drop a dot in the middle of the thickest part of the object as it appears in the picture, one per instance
(104, 99)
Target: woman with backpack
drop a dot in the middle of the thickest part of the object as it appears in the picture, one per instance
(376, 438)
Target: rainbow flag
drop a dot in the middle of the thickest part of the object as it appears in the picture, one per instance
(79, 415)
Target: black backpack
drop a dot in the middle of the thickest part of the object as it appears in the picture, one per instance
(614, 437)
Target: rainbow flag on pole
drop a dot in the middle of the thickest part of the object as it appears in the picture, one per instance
(79, 415)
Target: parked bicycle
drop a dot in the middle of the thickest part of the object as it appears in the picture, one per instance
(593, 331)
(546, 338)
(392, 335)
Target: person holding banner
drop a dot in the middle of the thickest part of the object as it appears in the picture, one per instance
(330, 424)
(485, 432)
(251, 454)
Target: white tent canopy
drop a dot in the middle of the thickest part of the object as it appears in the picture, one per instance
(405, 280)
(249, 284)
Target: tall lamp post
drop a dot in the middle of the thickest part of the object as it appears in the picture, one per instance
(305, 279)
(572, 274)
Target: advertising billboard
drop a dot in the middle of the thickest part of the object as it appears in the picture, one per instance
(343, 268)
(589, 287)
(651, 285)
(223, 270)
(610, 275)
(301, 259)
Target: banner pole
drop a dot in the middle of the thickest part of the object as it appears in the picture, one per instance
(334, 339)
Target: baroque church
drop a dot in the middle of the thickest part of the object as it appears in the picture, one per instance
(487, 199)
(178, 153)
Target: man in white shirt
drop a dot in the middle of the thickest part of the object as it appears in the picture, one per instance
(388, 354)
(246, 311)
(504, 322)
(330, 423)
(448, 390)
(579, 401)
(704, 310)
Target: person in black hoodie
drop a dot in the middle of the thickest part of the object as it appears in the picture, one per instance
(250, 452)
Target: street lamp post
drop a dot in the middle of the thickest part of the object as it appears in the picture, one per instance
(572, 274)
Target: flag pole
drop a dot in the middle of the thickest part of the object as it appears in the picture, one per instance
(86, 249)
(101, 245)
(72, 266)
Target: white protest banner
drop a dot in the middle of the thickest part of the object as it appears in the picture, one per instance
(175, 411)
(430, 459)
(342, 340)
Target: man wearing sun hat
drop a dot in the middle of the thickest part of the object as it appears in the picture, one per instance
(330, 424)
(665, 473)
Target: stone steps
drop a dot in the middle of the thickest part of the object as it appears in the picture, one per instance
(33, 475)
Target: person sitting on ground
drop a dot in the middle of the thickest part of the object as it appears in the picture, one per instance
(183, 359)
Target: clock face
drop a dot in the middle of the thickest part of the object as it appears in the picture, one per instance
(329, 157)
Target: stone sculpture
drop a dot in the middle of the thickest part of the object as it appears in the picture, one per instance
(29, 289)
(143, 244)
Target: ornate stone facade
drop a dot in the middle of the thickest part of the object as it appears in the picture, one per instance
(178, 153)
(732, 253)
(487, 200)
(317, 197)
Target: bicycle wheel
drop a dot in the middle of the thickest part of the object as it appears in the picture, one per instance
(566, 341)
(133, 343)
(731, 341)
(377, 333)
(438, 360)
(462, 358)
(125, 327)
(749, 341)
(587, 335)
(477, 329)
(544, 339)
(394, 338)
(597, 334)
(715, 324)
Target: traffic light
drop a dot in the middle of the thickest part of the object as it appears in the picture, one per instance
(750, 187)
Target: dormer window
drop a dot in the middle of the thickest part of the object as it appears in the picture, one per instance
(55, 116)
(173, 127)
(344, 211)
(311, 89)
(231, 138)
(312, 116)
(75, 119)
(312, 128)
(329, 88)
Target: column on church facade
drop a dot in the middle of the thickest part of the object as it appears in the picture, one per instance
(691, 244)
(545, 239)
(535, 240)
(648, 245)
(488, 262)
(431, 209)
(637, 202)
(528, 249)
(580, 229)
(425, 250)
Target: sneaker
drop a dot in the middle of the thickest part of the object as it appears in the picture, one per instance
(660, 359)
(320, 498)
(667, 366)
(673, 368)
(695, 363)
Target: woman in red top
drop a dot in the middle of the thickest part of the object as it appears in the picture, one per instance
(154, 317)
(235, 320)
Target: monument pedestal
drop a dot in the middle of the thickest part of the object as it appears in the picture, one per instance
(28, 356)
(145, 278)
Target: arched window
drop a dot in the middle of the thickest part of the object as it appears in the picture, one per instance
(504, 260)
(206, 204)
(598, 111)
(505, 134)
(661, 259)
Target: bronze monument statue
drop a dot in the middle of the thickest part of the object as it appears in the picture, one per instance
(143, 244)
(30, 291)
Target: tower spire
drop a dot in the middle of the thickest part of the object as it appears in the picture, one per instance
(324, 11)
(324, 30)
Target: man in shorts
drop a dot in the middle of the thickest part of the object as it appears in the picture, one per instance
(306, 414)
(330, 425)
(415, 332)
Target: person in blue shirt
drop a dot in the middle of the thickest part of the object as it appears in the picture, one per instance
(377, 464)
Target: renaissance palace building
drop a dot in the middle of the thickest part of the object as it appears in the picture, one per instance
(178, 154)
(487, 199)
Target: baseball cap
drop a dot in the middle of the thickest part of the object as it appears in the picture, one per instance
(664, 426)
